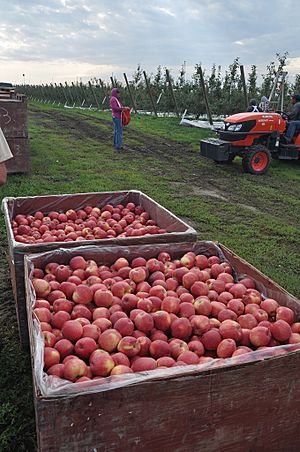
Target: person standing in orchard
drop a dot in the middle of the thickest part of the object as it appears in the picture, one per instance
(117, 109)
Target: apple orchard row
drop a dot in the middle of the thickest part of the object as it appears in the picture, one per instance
(132, 316)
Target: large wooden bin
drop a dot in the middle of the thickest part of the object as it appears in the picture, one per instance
(177, 229)
(13, 122)
(241, 404)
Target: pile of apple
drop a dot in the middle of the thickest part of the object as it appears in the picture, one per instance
(100, 321)
(89, 223)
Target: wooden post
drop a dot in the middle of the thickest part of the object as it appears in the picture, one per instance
(70, 94)
(130, 93)
(64, 93)
(172, 92)
(244, 87)
(150, 94)
(83, 93)
(94, 95)
(76, 93)
(205, 96)
(104, 93)
(53, 93)
(40, 92)
(112, 82)
(48, 94)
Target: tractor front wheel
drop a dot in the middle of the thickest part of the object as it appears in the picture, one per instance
(257, 160)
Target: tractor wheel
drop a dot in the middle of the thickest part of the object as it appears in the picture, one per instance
(257, 160)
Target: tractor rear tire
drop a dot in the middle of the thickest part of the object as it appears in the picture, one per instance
(257, 160)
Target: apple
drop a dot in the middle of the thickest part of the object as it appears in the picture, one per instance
(56, 370)
(186, 309)
(181, 328)
(59, 318)
(129, 345)
(41, 287)
(74, 369)
(284, 313)
(62, 304)
(109, 340)
(143, 363)
(80, 311)
(145, 343)
(49, 339)
(43, 314)
(82, 294)
(247, 321)
(64, 347)
(121, 369)
(120, 359)
(260, 336)
(229, 329)
(72, 330)
(162, 320)
(177, 346)
(101, 363)
(226, 348)
(200, 324)
(281, 330)
(188, 357)
(144, 322)
(85, 346)
(170, 304)
(77, 262)
(196, 347)
(159, 348)
(125, 326)
(270, 306)
(51, 357)
(211, 339)
(236, 305)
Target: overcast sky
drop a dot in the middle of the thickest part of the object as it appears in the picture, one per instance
(69, 40)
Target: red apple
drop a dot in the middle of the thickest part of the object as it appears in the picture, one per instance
(85, 346)
(129, 345)
(74, 369)
(143, 363)
(72, 330)
(101, 363)
(51, 357)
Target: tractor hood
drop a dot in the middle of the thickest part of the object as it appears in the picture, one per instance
(257, 117)
(241, 126)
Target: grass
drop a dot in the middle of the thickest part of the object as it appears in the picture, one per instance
(71, 151)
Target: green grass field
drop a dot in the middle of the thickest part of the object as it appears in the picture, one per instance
(71, 152)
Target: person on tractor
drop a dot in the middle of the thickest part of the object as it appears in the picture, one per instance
(293, 123)
(253, 106)
(264, 104)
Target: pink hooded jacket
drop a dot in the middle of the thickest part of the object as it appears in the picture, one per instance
(115, 104)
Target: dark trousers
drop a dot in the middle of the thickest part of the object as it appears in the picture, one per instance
(292, 126)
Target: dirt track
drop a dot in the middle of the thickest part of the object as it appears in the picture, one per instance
(202, 177)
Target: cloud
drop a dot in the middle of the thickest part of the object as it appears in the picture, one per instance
(118, 35)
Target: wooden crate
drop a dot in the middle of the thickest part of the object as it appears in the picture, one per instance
(13, 122)
(177, 229)
(243, 404)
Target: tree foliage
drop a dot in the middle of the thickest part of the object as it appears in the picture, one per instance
(224, 89)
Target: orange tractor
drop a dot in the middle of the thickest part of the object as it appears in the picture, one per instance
(255, 137)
